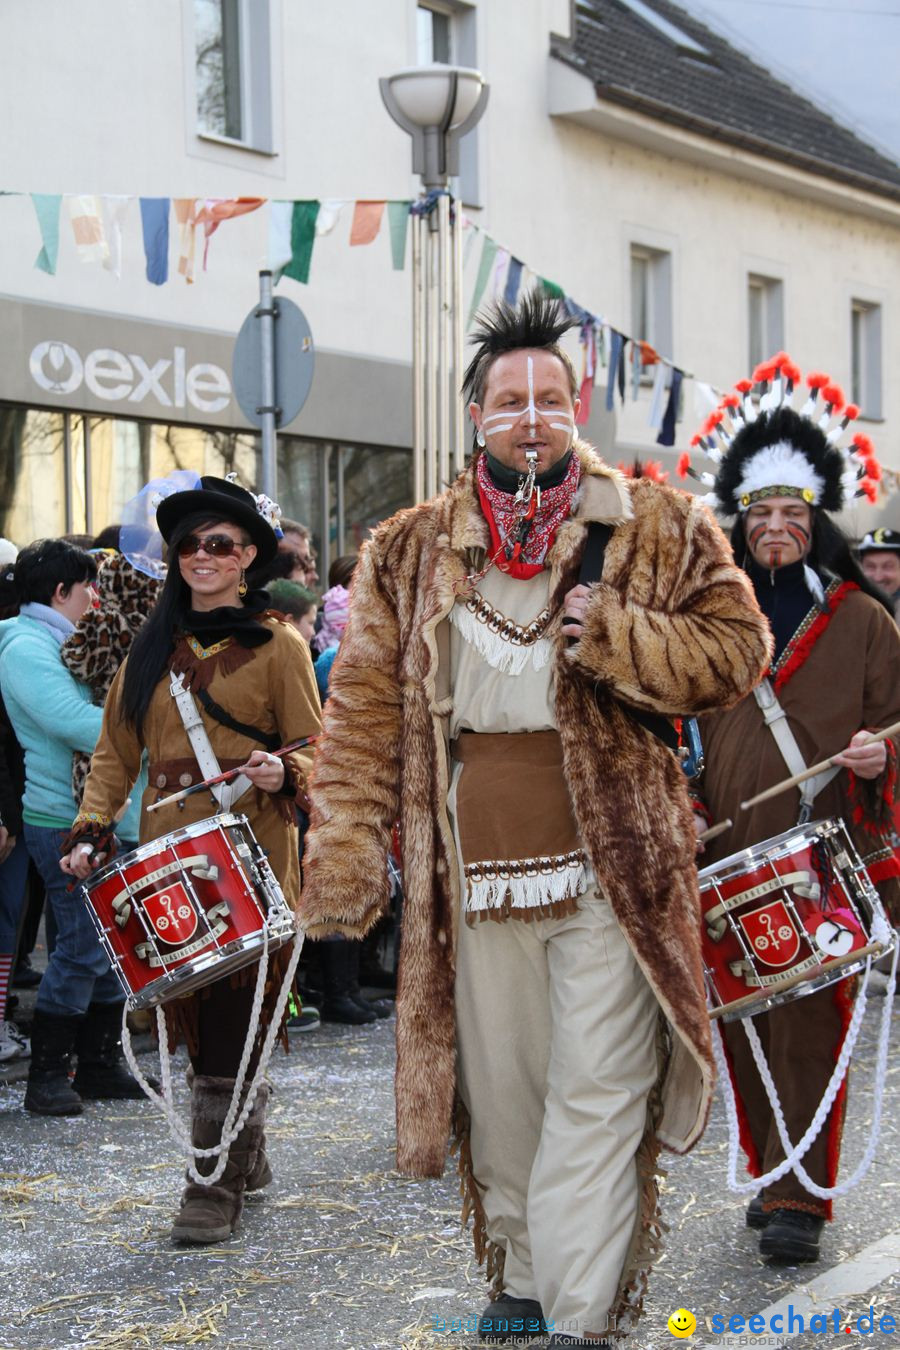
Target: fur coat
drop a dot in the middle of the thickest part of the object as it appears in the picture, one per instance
(672, 627)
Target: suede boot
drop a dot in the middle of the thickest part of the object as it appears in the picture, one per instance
(260, 1173)
(211, 1213)
(49, 1091)
(101, 1070)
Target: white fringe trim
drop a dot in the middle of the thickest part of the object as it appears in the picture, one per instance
(525, 892)
(507, 657)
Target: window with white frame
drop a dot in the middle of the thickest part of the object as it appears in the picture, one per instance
(865, 356)
(651, 297)
(765, 317)
(446, 34)
(232, 62)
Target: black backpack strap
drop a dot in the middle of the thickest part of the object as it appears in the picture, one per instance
(591, 570)
(271, 741)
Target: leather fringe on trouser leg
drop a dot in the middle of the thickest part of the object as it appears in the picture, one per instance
(211, 1213)
(647, 1239)
(487, 1253)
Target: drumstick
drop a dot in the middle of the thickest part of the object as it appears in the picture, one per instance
(224, 777)
(714, 831)
(816, 768)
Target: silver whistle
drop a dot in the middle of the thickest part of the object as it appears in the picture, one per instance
(527, 486)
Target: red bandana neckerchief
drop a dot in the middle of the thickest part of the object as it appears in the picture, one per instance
(499, 508)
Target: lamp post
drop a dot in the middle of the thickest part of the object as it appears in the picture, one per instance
(436, 105)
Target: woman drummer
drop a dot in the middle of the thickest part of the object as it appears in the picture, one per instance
(250, 667)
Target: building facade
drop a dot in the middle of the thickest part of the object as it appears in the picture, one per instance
(626, 153)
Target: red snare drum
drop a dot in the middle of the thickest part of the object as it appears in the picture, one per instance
(786, 918)
(186, 909)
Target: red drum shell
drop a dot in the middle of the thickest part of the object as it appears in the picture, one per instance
(784, 918)
(188, 908)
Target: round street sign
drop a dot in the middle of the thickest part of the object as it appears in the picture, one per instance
(294, 363)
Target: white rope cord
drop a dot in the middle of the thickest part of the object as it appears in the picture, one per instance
(793, 1154)
(231, 1127)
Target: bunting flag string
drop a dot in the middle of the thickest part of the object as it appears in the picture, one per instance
(366, 222)
(47, 208)
(185, 217)
(513, 280)
(155, 225)
(293, 228)
(87, 228)
(398, 225)
(114, 210)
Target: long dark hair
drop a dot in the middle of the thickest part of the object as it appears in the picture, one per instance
(830, 553)
(153, 645)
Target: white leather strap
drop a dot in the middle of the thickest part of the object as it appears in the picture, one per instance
(775, 719)
(226, 794)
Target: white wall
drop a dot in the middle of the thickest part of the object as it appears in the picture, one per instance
(99, 99)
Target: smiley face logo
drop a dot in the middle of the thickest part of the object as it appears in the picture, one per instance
(682, 1323)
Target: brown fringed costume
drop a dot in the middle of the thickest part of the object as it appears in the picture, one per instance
(838, 674)
(270, 687)
(672, 627)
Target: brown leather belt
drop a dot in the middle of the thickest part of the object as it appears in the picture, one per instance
(181, 773)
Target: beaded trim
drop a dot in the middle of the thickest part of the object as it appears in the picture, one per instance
(205, 652)
(812, 617)
(517, 868)
(804, 494)
(92, 817)
(504, 628)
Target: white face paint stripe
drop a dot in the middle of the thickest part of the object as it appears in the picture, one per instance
(532, 414)
(516, 414)
(492, 431)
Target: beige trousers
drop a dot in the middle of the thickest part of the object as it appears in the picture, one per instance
(556, 1034)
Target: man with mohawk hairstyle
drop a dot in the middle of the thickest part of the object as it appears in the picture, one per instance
(550, 998)
(780, 472)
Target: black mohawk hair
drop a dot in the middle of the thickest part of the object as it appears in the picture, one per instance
(537, 321)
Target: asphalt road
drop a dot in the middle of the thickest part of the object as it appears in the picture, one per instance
(344, 1253)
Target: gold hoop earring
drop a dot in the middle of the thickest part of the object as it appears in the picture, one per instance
(242, 584)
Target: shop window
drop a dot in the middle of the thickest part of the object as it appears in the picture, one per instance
(232, 61)
(33, 479)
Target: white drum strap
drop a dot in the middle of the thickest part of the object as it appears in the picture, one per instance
(226, 794)
(794, 1153)
(237, 1114)
(776, 720)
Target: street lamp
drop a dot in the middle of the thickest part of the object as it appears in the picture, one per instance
(436, 105)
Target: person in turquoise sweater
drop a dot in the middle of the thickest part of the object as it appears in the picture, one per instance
(79, 1000)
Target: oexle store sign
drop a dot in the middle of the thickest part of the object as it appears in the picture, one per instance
(86, 361)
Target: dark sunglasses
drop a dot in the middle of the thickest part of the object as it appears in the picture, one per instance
(216, 545)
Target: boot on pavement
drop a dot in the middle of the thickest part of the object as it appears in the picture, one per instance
(49, 1091)
(211, 1213)
(340, 962)
(101, 1069)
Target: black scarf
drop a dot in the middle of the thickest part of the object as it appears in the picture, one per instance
(783, 597)
(508, 480)
(240, 622)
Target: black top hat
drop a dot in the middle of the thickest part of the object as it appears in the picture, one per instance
(221, 500)
(881, 541)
